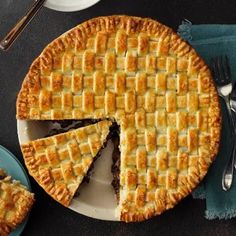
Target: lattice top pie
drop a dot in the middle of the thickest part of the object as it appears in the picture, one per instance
(142, 75)
(15, 203)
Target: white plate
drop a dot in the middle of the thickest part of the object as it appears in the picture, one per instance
(97, 198)
(69, 5)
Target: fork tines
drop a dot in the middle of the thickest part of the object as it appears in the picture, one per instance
(221, 70)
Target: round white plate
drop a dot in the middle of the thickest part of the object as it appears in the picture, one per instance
(69, 5)
(97, 198)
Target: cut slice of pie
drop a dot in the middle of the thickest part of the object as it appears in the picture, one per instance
(59, 163)
(15, 203)
(142, 75)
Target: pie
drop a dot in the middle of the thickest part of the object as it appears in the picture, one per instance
(59, 163)
(15, 203)
(141, 75)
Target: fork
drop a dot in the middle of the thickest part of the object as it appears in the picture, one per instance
(21, 24)
(233, 108)
(222, 77)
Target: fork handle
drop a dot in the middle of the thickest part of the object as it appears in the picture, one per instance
(228, 174)
(227, 177)
(235, 136)
(20, 25)
(230, 115)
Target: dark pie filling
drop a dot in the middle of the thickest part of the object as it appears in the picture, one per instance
(115, 168)
(2, 174)
(59, 127)
(2, 177)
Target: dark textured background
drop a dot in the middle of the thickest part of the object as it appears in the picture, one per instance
(48, 217)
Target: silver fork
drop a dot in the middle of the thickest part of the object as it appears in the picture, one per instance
(233, 108)
(222, 77)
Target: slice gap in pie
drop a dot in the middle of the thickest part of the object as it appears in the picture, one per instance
(141, 74)
(16, 202)
(59, 163)
(115, 168)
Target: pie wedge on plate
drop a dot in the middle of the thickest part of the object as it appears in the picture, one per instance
(141, 75)
(15, 203)
(59, 163)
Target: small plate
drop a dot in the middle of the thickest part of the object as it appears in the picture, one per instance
(96, 199)
(14, 168)
(69, 5)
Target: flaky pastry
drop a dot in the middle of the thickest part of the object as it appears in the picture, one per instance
(15, 203)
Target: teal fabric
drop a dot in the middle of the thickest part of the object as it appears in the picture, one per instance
(211, 41)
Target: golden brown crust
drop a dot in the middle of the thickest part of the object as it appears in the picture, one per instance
(4, 229)
(15, 204)
(59, 163)
(142, 74)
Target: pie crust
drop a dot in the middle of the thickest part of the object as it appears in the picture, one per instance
(60, 162)
(141, 74)
(15, 203)
(4, 229)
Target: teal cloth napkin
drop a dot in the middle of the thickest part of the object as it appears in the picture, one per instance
(211, 41)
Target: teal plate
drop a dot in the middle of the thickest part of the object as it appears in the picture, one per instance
(14, 168)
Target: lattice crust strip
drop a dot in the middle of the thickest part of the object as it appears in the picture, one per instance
(141, 74)
(59, 163)
(15, 203)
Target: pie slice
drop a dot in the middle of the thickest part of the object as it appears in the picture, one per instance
(59, 163)
(142, 75)
(15, 203)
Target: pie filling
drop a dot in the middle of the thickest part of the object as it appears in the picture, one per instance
(115, 168)
(60, 126)
(2, 174)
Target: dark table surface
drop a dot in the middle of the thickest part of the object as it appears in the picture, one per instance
(48, 217)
